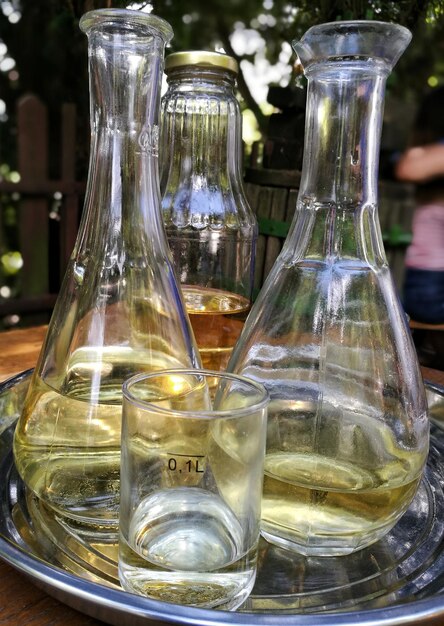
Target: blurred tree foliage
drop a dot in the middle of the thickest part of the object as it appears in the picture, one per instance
(278, 21)
(50, 50)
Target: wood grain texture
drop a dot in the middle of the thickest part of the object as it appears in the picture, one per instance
(19, 350)
(22, 603)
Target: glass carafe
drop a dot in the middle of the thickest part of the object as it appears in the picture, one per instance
(119, 310)
(210, 227)
(348, 428)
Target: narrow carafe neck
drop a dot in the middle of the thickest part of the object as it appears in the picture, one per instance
(125, 77)
(343, 130)
(346, 64)
(125, 70)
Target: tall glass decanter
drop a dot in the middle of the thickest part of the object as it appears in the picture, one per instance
(119, 310)
(210, 226)
(348, 428)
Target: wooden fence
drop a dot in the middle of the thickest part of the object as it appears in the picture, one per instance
(45, 247)
(273, 193)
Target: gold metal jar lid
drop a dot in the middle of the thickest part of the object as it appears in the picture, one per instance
(201, 58)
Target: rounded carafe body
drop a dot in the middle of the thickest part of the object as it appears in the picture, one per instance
(348, 429)
(210, 227)
(119, 310)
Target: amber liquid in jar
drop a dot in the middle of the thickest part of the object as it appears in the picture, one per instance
(217, 318)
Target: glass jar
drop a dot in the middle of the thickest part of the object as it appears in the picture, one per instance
(210, 227)
(119, 310)
(348, 428)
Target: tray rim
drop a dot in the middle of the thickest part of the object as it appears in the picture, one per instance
(106, 603)
(71, 590)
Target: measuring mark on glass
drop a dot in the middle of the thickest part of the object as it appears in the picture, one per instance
(187, 465)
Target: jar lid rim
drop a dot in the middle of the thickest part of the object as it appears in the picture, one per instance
(201, 58)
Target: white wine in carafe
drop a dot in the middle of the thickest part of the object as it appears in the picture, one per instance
(307, 495)
(67, 443)
(348, 431)
(118, 311)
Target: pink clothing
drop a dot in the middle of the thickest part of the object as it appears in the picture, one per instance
(426, 251)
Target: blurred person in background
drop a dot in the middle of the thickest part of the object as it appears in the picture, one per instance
(423, 164)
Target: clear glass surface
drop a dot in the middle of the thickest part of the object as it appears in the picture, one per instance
(348, 430)
(193, 447)
(119, 310)
(210, 227)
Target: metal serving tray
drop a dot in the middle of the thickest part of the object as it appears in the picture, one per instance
(397, 581)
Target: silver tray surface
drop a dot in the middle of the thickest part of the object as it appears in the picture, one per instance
(397, 581)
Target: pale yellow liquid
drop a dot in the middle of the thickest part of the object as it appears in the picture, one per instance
(67, 442)
(217, 318)
(322, 506)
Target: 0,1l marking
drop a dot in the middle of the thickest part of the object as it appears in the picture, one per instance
(190, 466)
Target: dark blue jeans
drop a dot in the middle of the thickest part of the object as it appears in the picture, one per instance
(424, 295)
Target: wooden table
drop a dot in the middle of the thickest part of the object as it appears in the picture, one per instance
(21, 603)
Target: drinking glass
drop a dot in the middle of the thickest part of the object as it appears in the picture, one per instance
(193, 445)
